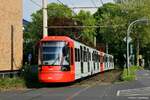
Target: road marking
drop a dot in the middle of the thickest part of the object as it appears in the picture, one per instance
(77, 93)
(146, 74)
(145, 91)
(80, 91)
(138, 98)
(118, 92)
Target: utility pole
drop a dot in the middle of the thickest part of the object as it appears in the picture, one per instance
(138, 47)
(45, 28)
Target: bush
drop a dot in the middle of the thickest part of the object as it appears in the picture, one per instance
(132, 75)
(30, 72)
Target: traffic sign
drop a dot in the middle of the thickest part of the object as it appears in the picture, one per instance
(129, 39)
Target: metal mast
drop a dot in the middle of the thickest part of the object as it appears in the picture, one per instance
(45, 31)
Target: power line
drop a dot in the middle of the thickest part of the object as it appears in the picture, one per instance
(102, 2)
(66, 6)
(84, 7)
(36, 3)
(61, 2)
(94, 26)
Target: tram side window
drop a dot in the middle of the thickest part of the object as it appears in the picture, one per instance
(98, 58)
(105, 58)
(89, 56)
(101, 59)
(84, 54)
(72, 59)
(111, 59)
(93, 56)
(79, 55)
(108, 58)
(76, 55)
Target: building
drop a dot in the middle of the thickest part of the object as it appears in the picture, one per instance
(11, 35)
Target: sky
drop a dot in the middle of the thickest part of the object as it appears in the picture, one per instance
(29, 7)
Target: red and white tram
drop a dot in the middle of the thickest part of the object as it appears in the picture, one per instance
(62, 59)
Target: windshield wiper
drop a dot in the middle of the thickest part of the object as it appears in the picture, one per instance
(55, 61)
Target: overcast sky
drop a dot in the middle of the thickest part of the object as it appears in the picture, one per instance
(29, 7)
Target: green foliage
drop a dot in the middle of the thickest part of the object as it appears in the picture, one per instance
(30, 72)
(132, 75)
(11, 83)
(54, 10)
(30, 76)
(114, 20)
(27, 79)
(87, 19)
(58, 15)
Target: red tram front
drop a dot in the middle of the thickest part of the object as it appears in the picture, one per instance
(56, 60)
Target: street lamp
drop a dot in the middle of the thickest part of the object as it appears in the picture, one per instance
(127, 39)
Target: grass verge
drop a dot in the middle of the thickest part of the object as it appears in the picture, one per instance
(132, 75)
(28, 78)
(12, 84)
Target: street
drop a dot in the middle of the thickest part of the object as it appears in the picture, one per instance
(134, 90)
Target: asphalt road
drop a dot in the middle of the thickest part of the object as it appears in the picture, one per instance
(135, 90)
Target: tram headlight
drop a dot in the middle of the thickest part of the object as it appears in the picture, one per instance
(65, 68)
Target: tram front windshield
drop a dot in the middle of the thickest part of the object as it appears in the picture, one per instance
(55, 53)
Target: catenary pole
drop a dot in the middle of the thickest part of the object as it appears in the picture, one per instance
(45, 31)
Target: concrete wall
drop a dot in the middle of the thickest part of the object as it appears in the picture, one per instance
(10, 16)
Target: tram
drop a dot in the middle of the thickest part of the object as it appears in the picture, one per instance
(62, 59)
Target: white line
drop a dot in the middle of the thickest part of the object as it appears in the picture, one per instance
(134, 92)
(118, 92)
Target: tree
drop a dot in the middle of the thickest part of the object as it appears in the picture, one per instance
(114, 20)
(56, 12)
(113, 29)
(59, 15)
(87, 19)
